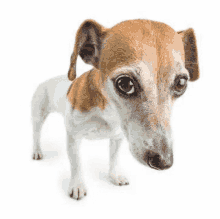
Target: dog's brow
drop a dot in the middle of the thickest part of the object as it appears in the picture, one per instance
(128, 69)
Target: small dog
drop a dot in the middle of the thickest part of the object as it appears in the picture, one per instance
(140, 68)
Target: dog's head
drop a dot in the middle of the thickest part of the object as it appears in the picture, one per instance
(145, 66)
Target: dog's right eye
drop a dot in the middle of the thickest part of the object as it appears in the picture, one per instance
(125, 85)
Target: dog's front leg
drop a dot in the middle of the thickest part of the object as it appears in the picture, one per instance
(114, 175)
(76, 187)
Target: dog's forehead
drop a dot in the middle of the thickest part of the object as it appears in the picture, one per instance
(141, 40)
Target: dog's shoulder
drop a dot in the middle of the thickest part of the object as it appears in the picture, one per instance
(85, 93)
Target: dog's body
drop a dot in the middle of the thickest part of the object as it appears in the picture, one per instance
(140, 68)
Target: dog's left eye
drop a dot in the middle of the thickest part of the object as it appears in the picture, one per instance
(125, 85)
(180, 85)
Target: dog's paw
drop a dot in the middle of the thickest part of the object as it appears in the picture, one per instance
(37, 156)
(76, 190)
(118, 180)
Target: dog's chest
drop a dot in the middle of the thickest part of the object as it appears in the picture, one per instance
(98, 128)
(99, 125)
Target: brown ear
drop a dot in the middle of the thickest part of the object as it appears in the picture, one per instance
(191, 56)
(87, 45)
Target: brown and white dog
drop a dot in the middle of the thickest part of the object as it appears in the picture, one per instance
(140, 68)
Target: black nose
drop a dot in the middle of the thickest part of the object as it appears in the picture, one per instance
(155, 161)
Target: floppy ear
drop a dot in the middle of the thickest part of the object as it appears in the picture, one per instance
(87, 44)
(191, 56)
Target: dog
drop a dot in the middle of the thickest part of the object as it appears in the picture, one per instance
(140, 67)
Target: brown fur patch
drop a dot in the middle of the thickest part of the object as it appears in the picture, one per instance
(136, 40)
(85, 94)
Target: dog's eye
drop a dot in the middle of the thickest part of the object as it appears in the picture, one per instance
(180, 85)
(125, 85)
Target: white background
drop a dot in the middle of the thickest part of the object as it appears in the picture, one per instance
(36, 42)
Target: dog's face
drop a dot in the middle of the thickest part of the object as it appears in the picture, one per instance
(145, 67)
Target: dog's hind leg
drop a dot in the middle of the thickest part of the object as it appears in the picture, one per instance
(40, 111)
